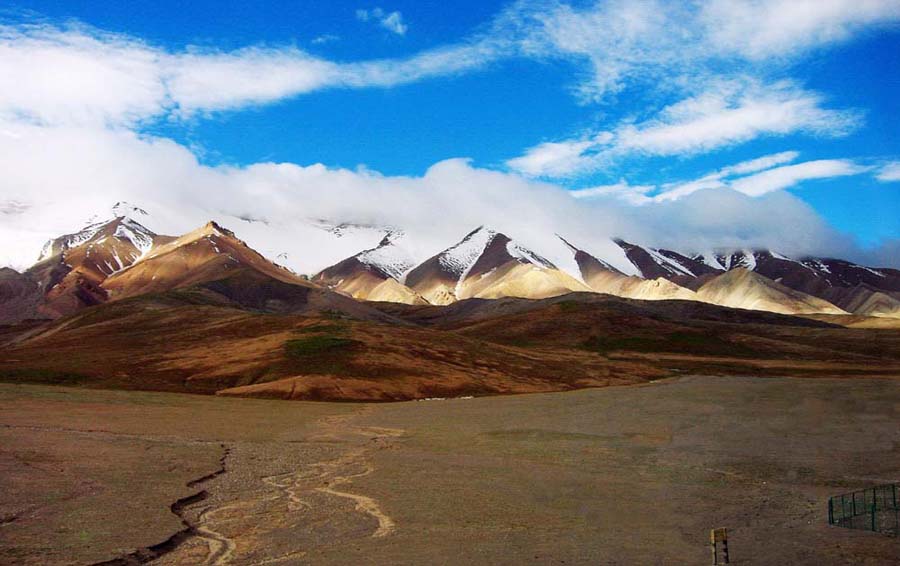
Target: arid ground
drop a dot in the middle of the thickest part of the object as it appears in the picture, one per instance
(618, 475)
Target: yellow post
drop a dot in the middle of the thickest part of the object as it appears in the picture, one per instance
(718, 539)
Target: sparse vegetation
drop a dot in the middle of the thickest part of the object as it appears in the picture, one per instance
(571, 306)
(42, 376)
(322, 329)
(314, 345)
(675, 342)
(320, 354)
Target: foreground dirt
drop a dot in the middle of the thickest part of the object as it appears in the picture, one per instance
(621, 475)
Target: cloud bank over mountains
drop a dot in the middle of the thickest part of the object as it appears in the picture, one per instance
(56, 182)
(75, 102)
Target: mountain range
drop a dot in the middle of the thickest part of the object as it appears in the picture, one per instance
(119, 257)
(116, 305)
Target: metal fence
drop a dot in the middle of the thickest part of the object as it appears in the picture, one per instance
(874, 509)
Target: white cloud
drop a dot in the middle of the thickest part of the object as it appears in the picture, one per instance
(719, 179)
(44, 166)
(678, 44)
(197, 81)
(79, 74)
(634, 194)
(889, 172)
(759, 29)
(761, 163)
(51, 76)
(755, 177)
(552, 159)
(325, 38)
(732, 113)
(393, 21)
(70, 96)
(83, 76)
(763, 175)
(789, 175)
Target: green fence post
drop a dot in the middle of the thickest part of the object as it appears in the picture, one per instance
(830, 510)
(874, 507)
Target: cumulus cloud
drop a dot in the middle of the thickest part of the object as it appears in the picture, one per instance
(730, 114)
(57, 178)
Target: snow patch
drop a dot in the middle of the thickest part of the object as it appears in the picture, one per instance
(525, 255)
(140, 237)
(459, 259)
(389, 256)
(710, 259)
(667, 263)
(747, 260)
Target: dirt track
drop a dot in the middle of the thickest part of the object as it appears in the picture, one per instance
(629, 475)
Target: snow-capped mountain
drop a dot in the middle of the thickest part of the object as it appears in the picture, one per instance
(488, 264)
(374, 274)
(604, 278)
(72, 268)
(120, 256)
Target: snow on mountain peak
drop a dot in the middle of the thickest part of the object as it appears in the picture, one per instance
(525, 255)
(127, 210)
(63, 243)
(459, 259)
(389, 255)
(138, 235)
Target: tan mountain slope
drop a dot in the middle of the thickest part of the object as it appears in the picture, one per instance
(207, 254)
(373, 274)
(392, 291)
(745, 289)
(515, 278)
(367, 284)
(865, 300)
(488, 264)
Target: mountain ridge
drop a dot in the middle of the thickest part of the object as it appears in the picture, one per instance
(120, 258)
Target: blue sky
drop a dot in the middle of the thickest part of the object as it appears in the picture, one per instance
(621, 101)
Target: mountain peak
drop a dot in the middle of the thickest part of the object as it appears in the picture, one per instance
(213, 228)
(124, 209)
(119, 228)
